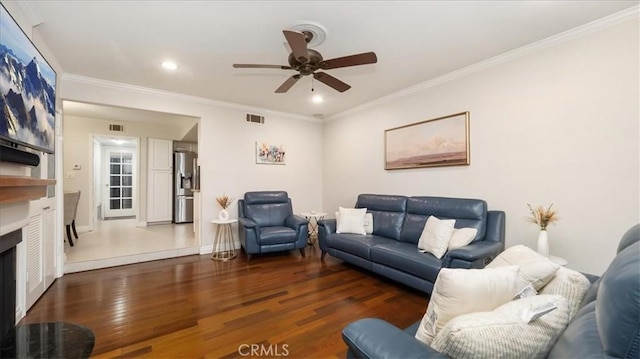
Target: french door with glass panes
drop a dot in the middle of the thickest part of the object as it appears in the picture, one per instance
(120, 182)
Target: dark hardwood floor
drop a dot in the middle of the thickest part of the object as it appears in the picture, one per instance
(193, 307)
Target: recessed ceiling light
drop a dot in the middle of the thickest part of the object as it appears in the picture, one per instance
(317, 99)
(169, 65)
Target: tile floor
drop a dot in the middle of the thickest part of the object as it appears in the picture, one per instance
(121, 241)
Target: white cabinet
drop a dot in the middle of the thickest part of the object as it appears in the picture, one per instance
(39, 236)
(160, 154)
(159, 180)
(159, 197)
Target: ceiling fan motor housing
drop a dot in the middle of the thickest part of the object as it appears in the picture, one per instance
(306, 68)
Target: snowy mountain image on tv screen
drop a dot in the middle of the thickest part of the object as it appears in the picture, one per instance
(27, 89)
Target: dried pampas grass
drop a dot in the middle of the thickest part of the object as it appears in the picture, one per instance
(224, 201)
(542, 216)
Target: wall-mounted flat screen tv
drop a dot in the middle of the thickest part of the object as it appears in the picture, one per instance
(27, 90)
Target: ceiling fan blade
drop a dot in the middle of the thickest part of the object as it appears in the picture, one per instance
(258, 66)
(298, 45)
(288, 83)
(331, 81)
(352, 60)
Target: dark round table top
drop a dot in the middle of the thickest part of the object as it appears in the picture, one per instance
(48, 340)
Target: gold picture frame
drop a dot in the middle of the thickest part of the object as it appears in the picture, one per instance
(442, 141)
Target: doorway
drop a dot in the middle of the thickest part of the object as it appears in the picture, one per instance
(119, 173)
(115, 168)
(111, 173)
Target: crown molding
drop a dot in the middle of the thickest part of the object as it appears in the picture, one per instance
(577, 32)
(118, 86)
(30, 13)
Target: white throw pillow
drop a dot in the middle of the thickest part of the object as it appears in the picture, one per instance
(368, 222)
(535, 269)
(461, 237)
(436, 235)
(351, 221)
(462, 291)
(570, 284)
(503, 333)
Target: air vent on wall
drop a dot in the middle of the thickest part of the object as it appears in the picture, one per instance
(251, 118)
(116, 128)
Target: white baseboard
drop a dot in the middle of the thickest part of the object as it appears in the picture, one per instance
(142, 224)
(206, 249)
(82, 229)
(209, 248)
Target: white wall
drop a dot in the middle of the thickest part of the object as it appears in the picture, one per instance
(226, 145)
(560, 126)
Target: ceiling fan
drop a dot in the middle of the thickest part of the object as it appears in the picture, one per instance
(307, 62)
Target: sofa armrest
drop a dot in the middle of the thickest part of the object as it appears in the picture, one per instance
(495, 227)
(325, 228)
(327, 225)
(294, 221)
(247, 223)
(484, 251)
(248, 233)
(376, 338)
(301, 226)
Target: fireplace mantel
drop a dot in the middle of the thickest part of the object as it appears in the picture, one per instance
(15, 189)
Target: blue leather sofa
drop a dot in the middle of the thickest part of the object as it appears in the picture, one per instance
(398, 221)
(606, 326)
(266, 223)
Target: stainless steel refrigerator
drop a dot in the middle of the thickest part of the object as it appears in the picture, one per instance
(183, 183)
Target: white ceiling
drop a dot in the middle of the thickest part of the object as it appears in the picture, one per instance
(415, 41)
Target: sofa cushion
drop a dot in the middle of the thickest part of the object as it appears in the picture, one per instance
(351, 220)
(581, 338)
(463, 291)
(505, 332)
(405, 257)
(467, 213)
(535, 269)
(356, 244)
(388, 213)
(276, 235)
(436, 235)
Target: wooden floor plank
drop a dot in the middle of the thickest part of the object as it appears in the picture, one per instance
(193, 307)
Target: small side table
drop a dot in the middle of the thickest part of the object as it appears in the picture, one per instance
(313, 218)
(223, 243)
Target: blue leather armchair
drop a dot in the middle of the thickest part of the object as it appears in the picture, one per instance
(266, 223)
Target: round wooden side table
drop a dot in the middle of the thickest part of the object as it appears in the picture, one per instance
(223, 243)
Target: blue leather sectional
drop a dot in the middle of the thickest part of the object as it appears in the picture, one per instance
(398, 221)
(606, 326)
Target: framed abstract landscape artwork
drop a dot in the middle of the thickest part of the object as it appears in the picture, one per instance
(442, 141)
